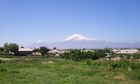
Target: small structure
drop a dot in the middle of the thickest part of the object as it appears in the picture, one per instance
(125, 51)
(36, 54)
(87, 50)
(108, 57)
(25, 51)
(56, 52)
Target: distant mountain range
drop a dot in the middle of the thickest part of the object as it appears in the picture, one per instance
(77, 41)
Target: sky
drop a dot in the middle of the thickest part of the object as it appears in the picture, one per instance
(33, 21)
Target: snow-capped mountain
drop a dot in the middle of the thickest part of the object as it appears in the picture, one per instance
(77, 37)
(77, 41)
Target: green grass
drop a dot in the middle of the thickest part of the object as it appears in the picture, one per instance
(60, 71)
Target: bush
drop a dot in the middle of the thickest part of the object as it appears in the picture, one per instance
(116, 65)
(1, 61)
(125, 65)
(135, 66)
(88, 61)
(78, 55)
(3, 70)
(136, 56)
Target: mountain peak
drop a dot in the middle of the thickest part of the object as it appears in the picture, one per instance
(77, 37)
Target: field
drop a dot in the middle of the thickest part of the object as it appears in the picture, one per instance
(41, 70)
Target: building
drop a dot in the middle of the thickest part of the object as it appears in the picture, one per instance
(125, 51)
(56, 52)
(25, 51)
(36, 54)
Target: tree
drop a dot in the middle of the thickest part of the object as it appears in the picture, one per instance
(100, 53)
(78, 55)
(137, 56)
(36, 50)
(1, 49)
(43, 50)
(108, 50)
(11, 47)
(6, 48)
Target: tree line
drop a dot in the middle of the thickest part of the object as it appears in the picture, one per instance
(13, 49)
(78, 55)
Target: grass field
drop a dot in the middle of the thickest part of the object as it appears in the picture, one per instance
(60, 71)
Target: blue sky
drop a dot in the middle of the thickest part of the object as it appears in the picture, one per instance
(26, 21)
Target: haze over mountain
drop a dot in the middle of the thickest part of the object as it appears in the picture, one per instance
(78, 41)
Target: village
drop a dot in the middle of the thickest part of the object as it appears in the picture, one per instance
(70, 42)
(57, 52)
(26, 62)
(118, 52)
(115, 54)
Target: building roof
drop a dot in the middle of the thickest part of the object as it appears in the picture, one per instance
(25, 49)
(126, 51)
(54, 51)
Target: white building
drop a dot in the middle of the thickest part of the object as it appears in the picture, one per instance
(125, 51)
(25, 51)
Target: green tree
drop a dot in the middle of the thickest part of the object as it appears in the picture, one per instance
(6, 48)
(108, 50)
(78, 55)
(36, 50)
(100, 53)
(43, 50)
(1, 49)
(13, 47)
(137, 56)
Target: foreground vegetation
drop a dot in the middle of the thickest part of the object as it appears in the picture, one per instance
(42, 70)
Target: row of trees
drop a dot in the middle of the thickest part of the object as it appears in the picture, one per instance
(13, 48)
(78, 55)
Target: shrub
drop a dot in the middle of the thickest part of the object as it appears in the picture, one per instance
(3, 70)
(136, 56)
(135, 66)
(78, 55)
(1, 61)
(88, 61)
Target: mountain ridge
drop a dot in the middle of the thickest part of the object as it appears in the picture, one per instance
(77, 41)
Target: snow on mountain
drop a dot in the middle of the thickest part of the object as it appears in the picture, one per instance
(78, 37)
(77, 41)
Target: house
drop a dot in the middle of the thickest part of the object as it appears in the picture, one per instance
(36, 53)
(125, 51)
(56, 52)
(25, 51)
(107, 58)
(87, 50)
